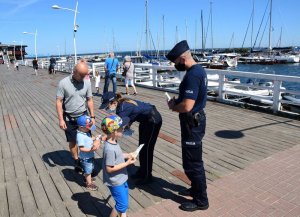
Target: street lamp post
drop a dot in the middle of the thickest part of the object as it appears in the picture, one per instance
(35, 35)
(14, 50)
(75, 26)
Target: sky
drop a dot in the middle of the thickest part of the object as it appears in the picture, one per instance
(120, 25)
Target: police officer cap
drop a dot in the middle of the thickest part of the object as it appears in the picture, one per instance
(106, 99)
(177, 50)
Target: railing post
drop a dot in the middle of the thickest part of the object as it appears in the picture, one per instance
(153, 72)
(93, 67)
(276, 96)
(221, 95)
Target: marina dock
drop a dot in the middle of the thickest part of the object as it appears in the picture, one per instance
(251, 158)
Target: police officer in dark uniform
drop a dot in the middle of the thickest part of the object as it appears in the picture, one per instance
(150, 123)
(190, 105)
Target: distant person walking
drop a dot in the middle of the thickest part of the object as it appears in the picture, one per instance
(128, 69)
(35, 66)
(52, 65)
(97, 82)
(111, 67)
(8, 62)
(16, 65)
(73, 99)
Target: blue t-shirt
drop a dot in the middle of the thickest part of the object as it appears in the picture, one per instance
(194, 86)
(85, 140)
(139, 112)
(111, 65)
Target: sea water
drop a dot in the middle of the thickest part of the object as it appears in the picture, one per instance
(276, 69)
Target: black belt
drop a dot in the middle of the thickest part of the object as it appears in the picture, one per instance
(74, 119)
(202, 112)
(193, 118)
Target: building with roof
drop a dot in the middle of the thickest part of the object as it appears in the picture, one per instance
(14, 51)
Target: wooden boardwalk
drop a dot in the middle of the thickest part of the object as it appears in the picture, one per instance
(36, 172)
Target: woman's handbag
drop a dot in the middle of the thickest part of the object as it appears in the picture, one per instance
(125, 69)
(124, 72)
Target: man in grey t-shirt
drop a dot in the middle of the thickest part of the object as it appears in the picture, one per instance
(73, 99)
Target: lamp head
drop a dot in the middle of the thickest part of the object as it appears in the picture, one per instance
(55, 7)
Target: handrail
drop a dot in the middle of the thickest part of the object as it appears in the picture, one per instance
(222, 85)
(147, 75)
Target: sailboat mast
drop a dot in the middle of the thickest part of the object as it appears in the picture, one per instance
(211, 29)
(164, 35)
(202, 31)
(231, 41)
(270, 27)
(176, 36)
(186, 31)
(252, 23)
(279, 40)
(146, 26)
(195, 35)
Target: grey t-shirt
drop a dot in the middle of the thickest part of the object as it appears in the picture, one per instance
(74, 95)
(113, 155)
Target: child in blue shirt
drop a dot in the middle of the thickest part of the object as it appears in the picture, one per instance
(114, 166)
(87, 145)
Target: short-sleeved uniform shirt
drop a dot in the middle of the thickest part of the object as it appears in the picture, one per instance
(85, 140)
(111, 64)
(112, 156)
(139, 112)
(74, 95)
(194, 86)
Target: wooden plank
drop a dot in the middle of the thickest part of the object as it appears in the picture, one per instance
(41, 198)
(3, 201)
(29, 135)
(27, 198)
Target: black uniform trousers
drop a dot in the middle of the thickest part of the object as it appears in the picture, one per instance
(148, 133)
(191, 141)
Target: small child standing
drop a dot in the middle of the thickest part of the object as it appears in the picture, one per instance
(97, 82)
(87, 145)
(114, 166)
(17, 65)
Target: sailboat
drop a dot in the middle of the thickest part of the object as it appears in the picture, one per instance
(272, 57)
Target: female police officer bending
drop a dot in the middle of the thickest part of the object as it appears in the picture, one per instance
(150, 123)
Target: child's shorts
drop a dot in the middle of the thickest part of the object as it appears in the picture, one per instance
(87, 165)
(120, 194)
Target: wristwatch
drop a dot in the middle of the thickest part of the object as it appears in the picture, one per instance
(93, 117)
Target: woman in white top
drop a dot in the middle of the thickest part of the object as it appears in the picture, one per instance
(128, 67)
(97, 82)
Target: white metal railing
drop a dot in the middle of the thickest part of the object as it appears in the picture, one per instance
(167, 78)
(147, 75)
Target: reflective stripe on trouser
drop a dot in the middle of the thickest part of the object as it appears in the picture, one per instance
(191, 141)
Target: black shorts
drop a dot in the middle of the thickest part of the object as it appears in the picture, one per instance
(71, 131)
